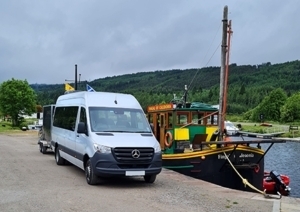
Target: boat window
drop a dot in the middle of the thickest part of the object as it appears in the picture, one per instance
(150, 118)
(182, 118)
(197, 118)
(212, 119)
(162, 121)
(170, 120)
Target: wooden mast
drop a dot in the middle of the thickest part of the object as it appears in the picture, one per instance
(227, 69)
(222, 73)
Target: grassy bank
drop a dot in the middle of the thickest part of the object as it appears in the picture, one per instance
(6, 126)
(257, 128)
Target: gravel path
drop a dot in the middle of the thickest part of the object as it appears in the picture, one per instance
(31, 181)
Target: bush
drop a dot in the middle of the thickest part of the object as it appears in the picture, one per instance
(234, 118)
(23, 124)
(247, 115)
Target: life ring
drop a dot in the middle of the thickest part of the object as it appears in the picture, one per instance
(168, 139)
(256, 168)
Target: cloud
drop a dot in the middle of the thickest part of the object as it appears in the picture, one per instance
(42, 41)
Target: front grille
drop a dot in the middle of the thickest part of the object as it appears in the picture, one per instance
(124, 155)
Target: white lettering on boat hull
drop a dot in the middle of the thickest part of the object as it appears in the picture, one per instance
(250, 155)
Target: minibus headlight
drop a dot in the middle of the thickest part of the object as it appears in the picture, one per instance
(157, 148)
(102, 149)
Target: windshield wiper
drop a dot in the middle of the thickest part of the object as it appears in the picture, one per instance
(114, 131)
(122, 131)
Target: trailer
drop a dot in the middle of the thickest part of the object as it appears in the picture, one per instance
(44, 140)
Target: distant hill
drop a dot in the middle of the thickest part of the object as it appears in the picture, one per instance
(248, 84)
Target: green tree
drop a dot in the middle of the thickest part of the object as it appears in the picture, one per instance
(17, 98)
(243, 89)
(290, 111)
(248, 85)
(271, 105)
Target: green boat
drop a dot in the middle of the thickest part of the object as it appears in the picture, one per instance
(194, 142)
(189, 139)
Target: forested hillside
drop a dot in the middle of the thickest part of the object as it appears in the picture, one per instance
(248, 85)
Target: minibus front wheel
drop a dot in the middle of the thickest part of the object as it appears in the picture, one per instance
(150, 178)
(59, 160)
(90, 176)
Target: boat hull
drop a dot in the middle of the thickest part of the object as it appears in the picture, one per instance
(212, 166)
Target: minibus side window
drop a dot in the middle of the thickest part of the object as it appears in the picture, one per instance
(65, 117)
(82, 117)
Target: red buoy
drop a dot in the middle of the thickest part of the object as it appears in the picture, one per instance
(273, 183)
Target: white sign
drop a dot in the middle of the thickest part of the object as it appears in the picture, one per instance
(135, 173)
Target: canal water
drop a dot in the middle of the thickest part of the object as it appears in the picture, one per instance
(285, 159)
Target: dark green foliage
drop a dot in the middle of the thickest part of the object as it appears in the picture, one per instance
(248, 85)
(270, 106)
(291, 109)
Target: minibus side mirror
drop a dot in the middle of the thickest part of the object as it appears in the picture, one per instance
(81, 128)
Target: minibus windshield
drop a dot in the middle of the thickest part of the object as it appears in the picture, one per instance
(105, 119)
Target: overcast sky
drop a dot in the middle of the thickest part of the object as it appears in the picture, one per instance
(41, 41)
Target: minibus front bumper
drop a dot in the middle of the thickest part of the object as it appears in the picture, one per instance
(105, 165)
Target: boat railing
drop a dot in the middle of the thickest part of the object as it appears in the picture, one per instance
(276, 129)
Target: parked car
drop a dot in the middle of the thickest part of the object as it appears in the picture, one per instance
(231, 129)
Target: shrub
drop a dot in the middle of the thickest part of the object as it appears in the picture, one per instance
(23, 124)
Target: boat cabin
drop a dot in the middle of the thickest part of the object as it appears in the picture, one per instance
(178, 126)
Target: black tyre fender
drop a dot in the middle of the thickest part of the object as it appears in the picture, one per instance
(41, 147)
(150, 178)
(59, 160)
(44, 149)
(90, 176)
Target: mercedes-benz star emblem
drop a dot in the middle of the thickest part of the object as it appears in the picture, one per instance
(135, 153)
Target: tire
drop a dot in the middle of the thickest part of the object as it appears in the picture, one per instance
(59, 160)
(44, 149)
(150, 178)
(90, 176)
(40, 147)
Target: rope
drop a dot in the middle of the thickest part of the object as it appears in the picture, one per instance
(246, 183)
